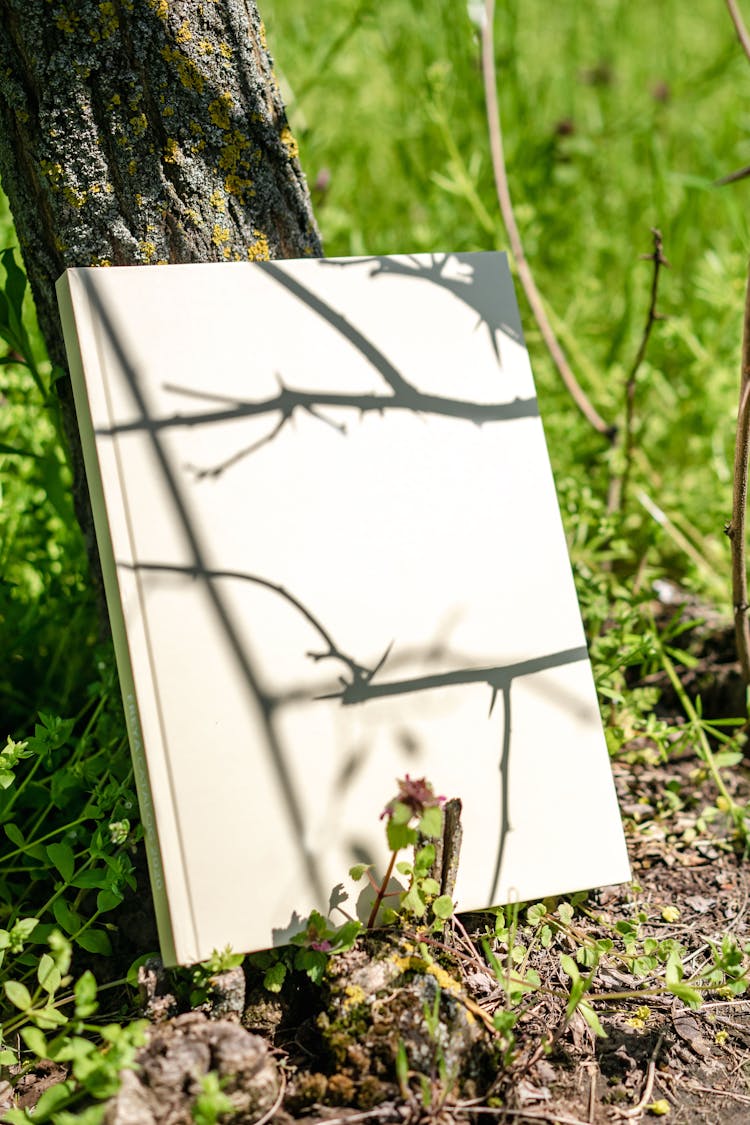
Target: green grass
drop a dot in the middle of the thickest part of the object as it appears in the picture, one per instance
(618, 116)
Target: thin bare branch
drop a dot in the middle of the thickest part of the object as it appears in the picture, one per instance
(739, 27)
(506, 208)
(736, 528)
(619, 484)
(744, 38)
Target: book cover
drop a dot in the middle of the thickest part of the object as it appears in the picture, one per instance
(333, 556)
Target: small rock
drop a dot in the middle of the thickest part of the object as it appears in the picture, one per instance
(227, 996)
(263, 1013)
(179, 1053)
(157, 1002)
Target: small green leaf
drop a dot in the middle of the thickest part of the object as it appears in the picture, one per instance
(429, 886)
(424, 859)
(592, 1019)
(8, 1057)
(431, 822)
(15, 835)
(53, 1098)
(47, 1017)
(533, 979)
(62, 951)
(400, 835)
(399, 813)
(413, 903)
(347, 935)
(66, 918)
(84, 990)
(18, 994)
(569, 967)
(577, 989)
(48, 974)
(442, 907)
(358, 871)
(688, 995)
(536, 913)
(95, 941)
(274, 978)
(61, 855)
(21, 932)
(659, 1108)
(674, 971)
(87, 880)
(35, 1041)
(505, 1020)
(107, 900)
(314, 964)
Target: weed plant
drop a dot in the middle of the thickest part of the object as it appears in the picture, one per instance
(618, 116)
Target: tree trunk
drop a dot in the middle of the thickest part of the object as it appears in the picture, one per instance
(142, 131)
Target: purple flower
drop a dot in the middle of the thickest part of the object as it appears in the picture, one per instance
(321, 946)
(416, 793)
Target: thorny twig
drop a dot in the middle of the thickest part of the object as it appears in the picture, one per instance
(619, 484)
(506, 207)
(735, 529)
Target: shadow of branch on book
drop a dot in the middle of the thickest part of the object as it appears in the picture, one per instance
(402, 395)
(361, 685)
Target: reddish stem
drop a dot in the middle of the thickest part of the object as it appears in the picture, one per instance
(381, 892)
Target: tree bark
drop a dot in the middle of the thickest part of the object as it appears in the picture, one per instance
(142, 132)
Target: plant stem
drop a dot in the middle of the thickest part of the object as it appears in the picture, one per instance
(736, 528)
(506, 207)
(739, 26)
(381, 892)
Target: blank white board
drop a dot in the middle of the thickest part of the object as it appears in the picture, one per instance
(333, 556)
